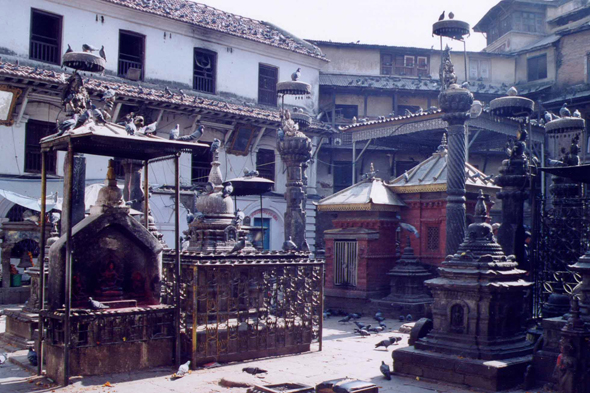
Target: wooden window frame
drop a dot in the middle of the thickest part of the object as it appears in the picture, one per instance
(36, 149)
(261, 67)
(259, 154)
(59, 39)
(143, 51)
(537, 76)
(237, 133)
(213, 78)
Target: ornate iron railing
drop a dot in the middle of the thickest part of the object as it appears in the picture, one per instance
(235, 312)
(112, 327)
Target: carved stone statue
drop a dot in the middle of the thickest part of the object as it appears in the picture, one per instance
(447, 70)
(565, 368)
(289, 126)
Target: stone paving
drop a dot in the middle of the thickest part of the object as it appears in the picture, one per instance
(344, 355)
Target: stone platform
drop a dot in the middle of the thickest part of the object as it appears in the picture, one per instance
(491, 375)
(21, 327)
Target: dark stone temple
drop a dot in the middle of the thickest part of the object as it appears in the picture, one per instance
(116, 262)
(238, 303)
(478, 335)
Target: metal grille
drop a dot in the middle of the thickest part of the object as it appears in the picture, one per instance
(345, 262)
(433, 238)
(204, 70)
(243, 312)
(267, 85)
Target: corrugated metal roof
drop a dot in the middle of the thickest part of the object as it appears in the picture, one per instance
(365, 192)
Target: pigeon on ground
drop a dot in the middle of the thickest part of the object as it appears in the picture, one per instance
(183, 369)
(442, 16)
(295, 76)
(360, 325)
(253, 370)
(32, 356)
(102, 53)
(385, 371)
(409, 318)
(362, 332)
(3, 358)
(195, 136)
(95, 305)
(175, 133)
(376, 329)
(289, 245)
(384, 326)
(383, 343)
(394, 339)
(379, 318)
(345, 319)
(88, 48)
(238, 246)
(401, 318)
(564, 112)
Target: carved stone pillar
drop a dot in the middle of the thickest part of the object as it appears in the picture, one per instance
(455, 102)
(295, 149)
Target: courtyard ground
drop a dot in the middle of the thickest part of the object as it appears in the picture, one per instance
(344, 354)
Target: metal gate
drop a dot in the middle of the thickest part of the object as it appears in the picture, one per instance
(346, 262)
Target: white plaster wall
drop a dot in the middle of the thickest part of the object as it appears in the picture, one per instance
(167, 59)
(521, 65)
(356, 61)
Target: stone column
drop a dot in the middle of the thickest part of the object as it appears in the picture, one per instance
(78, 191)
(455, 102)
(295, 150)
(132, 189)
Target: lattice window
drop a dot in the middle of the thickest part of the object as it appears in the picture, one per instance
(345, 262)
(268, 77)
(433, 238)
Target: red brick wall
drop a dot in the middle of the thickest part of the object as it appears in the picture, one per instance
(572, 53)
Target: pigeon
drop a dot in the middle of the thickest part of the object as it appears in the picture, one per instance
(69, 50)
(249, 173)
(183, 369)
(149, 129)
(175, 133)
(407, 112)
(107, 95)
(564, 112)
(379, 318)
(451, 15)
(253, 370)
(97, 114)
(442, 16)
(95, 305)
(215, 145)
(280, 134)
(362, 332)
(190, 217)
(88, 48)
(3, 358)
(384, 326)
(102, 53)
(383, 343)
(209, 187)
(345, 319)
(512, 91)
(239, 218)
(409, 318)
(32, 356)
(67, 125)
(401, 318)
(410, 228)
(355, 315)
(385, 371)
(394, 339)
(547, 116)
(376, 329)
(238, 246)
(289, 245)
(130, 127)
(295, 76)
(168, 91)
(192, 137)
(577, 113)
(465, 85)
(360, 325)
(227, 190)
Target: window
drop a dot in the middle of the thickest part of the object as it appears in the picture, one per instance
(266, 237)
(529, 22)
(346, 112)
(131, 55)
(45, 42)
(537, 68)
(204, 68)
(35, 131)
(345, 262)
(200, 166)
(433, 238)
(268, 77)
(342, 175)
(479, 69)
(401, 64)
(241, 138)
(265, 163)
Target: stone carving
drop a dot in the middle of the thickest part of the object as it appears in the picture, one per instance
(447, 70)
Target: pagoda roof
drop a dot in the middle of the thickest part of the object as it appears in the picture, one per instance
(368, 195)
(431, 176)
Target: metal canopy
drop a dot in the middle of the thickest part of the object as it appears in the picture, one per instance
(112, 140)
(251, 185)
(580, 173)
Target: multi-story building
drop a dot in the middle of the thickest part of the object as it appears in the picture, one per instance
(174, 62)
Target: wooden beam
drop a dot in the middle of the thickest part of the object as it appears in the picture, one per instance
(258, 138)
(116, 111)
(23, 106)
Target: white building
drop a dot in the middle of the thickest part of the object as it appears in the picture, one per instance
(221, 69)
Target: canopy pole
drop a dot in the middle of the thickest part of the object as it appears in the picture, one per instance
(41, 261)
(177, 276)
(146, 194)
(261, 225)
(69, 181)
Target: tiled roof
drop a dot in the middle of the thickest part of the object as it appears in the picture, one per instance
(154, 94)
(384, 119)
(208, 17)
(391, 82)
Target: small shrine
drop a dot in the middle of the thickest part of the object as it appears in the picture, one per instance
(424, 191)
(361, 249)
(478, 336)
(236, 302)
